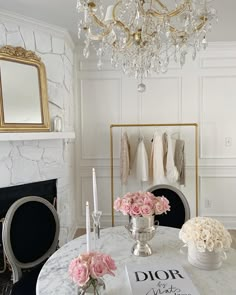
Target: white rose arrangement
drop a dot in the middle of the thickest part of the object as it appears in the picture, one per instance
(206, 233)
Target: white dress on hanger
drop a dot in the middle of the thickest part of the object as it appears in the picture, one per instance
(141, 161)
(156, 161)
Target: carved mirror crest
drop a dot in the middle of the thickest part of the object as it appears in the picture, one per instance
(23, 91)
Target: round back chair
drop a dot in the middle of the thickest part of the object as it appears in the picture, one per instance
(30, 235)
(179, 211)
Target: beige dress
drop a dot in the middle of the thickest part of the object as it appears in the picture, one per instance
(124, 158)
(180, 160)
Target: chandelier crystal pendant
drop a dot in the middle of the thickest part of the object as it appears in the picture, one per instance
(144, 35)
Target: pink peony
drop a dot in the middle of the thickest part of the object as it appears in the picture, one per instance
(98, 267)
(110, 263)
(141, 204)
(149, 201)
(79, 272)
(135, 210)
(146, 210)
(125, 208)
(89, 266)
(159, 208)
(117, 204)
(165, 203)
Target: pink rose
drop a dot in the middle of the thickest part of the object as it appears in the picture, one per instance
(135, 210)
(97, 267)
(125, 208)
(79, 272)
(139, 202)
(149, 201)
(151, 195)
(117, 204)
(165, 203)
(159, 208)
(146, 210)
(127, 200)
(110, 263)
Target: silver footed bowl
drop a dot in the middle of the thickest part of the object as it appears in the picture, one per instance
(142, 230)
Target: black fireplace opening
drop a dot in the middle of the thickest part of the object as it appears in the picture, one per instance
(8, 195)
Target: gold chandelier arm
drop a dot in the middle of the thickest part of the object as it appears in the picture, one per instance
(99, 22)
(121, 25)
(114, 10)
(161, 4)
(107, 29)
(199, 27)
(99, 37)
(127, 31)
(172, 13)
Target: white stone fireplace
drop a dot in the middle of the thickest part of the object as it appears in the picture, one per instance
(26, 159)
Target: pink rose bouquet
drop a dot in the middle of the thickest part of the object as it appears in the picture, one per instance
(141, 204)
(87, 269)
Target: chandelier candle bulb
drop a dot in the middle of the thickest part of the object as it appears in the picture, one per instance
(95, 195)
(88, 228)
(109, 18)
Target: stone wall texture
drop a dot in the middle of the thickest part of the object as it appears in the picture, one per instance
(36, 160)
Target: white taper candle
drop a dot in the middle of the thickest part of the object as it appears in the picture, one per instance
(95, 194)
(88, 228)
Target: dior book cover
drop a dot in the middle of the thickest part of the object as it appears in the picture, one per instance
(164, 278)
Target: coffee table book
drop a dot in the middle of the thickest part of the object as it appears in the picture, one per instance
(161, 278)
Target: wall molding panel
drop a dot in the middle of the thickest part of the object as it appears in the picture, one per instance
(217, 95)
(201, 92)
(217, 194)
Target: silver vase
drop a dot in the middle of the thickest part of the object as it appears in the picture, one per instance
(142, 230)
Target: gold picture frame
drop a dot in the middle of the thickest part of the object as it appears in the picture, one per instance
(23, 91)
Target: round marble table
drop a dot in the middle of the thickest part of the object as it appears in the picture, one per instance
(54, 279)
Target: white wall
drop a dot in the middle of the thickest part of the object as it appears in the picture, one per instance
(31, 161)
(203, 92)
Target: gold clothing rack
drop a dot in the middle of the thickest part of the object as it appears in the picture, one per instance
(195, 125)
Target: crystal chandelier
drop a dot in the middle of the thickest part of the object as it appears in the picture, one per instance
(142, 36)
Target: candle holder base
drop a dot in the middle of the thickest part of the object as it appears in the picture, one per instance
(96, 226)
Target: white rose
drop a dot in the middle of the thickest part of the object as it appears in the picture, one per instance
(210, 245)
(200, 246)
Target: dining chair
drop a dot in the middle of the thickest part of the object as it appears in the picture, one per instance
(179, 211)
(30, 236)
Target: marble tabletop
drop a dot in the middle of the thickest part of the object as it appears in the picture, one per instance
(54, 280)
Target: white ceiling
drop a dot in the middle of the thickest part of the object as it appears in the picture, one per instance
(63, 13)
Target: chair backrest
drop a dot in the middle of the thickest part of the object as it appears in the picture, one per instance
(30, 233)
(179, 212)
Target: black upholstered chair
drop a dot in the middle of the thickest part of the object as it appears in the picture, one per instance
(30, 235)
(180, 211)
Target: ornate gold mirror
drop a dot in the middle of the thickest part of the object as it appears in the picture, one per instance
(23, 91)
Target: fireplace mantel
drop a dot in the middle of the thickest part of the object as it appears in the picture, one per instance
(13, 136)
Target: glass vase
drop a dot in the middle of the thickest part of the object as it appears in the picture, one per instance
(93, 287)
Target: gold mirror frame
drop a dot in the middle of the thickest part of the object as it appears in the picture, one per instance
(26, 57)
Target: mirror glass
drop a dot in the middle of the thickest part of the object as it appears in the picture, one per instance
(20, 92)
(23, 91)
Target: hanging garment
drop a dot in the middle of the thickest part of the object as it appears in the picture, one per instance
(124, 158)
(171, 171)
(156, 160)
(141, 161)
(180, 160)
(165, 150)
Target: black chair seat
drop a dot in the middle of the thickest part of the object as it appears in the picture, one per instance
(27, 284)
